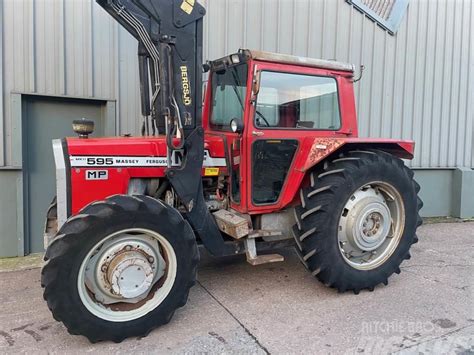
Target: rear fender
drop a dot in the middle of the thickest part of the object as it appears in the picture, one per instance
(315, 151)
(321, 149)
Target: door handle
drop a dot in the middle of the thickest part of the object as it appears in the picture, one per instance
(257, 133)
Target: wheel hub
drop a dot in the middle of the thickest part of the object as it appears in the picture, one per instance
(130, 274)
(127, 274)
(125, 270)
(369, 221)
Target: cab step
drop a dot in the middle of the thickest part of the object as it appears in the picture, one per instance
(236, 226)
(254, 259)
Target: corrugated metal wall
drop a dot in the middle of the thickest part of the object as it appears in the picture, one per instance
(419, 84)
(2, 117)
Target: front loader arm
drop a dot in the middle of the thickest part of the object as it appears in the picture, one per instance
(169, 33)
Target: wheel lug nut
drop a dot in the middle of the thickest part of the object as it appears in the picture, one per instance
(128, 247)
(151, 260)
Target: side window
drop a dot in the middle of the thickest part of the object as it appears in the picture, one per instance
(267, 106)
(297, 101)
(228, 95)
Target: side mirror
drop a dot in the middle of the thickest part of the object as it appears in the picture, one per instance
(204, 91)
(236, 125)
(256, 83)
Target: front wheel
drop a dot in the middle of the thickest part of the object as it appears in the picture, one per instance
(120, 268)
(357, 220)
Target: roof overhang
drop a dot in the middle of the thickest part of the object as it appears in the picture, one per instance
(245, 54)
(296, 60)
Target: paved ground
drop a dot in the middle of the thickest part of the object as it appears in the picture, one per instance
(279, 308)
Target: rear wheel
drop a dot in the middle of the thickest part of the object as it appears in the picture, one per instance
(120, 268)
(357, 220)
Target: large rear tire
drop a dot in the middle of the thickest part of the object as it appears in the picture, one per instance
(357, 220)
(120, 268)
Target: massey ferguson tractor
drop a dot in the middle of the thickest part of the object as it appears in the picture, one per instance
(270, 158)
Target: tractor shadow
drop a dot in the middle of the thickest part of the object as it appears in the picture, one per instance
(233, 272)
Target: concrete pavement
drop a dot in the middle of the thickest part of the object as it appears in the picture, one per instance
(279, 308)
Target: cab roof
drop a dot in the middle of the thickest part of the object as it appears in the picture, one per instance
(296, 60)
(245, 54)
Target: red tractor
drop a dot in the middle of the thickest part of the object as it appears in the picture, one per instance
(271, 160)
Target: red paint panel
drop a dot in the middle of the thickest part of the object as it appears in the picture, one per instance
(136, 146)
(85, 191)
(124, 146)
(305, 138)
(324, 147)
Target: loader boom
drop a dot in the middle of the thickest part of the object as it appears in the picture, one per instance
(169, 33)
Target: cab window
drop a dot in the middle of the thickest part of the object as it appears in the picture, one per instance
(297, 101)
(228, 96)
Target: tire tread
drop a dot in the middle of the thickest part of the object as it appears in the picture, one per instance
(311, 231)
(67, 241)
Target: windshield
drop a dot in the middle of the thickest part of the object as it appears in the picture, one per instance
(228, 96)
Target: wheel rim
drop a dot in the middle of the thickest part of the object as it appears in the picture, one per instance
(127, 275)
(371, 225)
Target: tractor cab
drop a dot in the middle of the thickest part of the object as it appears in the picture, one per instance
(270, 108)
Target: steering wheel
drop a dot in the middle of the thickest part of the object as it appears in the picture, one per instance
(262, 117)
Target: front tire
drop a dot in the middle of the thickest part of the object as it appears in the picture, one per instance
(120, 268)
(357, 220)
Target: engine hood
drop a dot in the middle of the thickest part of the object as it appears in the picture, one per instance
(136, 152)
(92, 169)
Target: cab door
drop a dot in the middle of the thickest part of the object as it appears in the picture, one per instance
(227, 98)
(292, 103)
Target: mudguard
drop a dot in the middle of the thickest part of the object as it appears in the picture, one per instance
(324, 147)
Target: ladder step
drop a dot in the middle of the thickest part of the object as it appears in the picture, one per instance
(254, 259)
(264, 233)
(265, 259)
